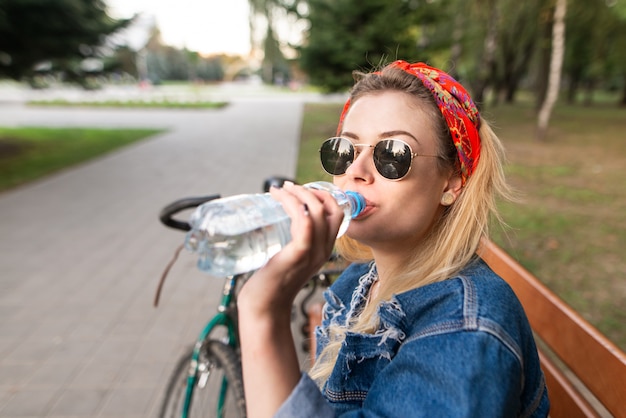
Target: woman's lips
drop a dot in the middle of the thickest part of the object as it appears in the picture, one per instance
(369, 206)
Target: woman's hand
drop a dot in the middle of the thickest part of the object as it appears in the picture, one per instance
(315, 221)
(270, 364)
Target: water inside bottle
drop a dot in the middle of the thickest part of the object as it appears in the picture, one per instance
(224, 255)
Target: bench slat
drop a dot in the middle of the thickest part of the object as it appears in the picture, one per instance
(315, 318)
(565, 400)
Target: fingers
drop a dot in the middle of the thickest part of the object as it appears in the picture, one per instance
(315, 217)
(315, 220)
(317, 204)
(298, 210)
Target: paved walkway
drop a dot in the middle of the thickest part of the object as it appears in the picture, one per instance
(81, 253)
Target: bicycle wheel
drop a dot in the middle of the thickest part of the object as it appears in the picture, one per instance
(218, 376)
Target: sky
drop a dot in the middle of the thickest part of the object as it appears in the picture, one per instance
(204, 26)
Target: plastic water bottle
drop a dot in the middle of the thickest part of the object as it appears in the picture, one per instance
(241, 233)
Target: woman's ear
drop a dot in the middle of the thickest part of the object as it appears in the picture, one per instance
(451, 190)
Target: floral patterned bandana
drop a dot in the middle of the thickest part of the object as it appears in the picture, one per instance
(456, 106)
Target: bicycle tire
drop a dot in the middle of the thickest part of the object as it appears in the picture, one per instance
(223, 362)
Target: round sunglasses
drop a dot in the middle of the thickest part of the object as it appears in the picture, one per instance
(392, 157)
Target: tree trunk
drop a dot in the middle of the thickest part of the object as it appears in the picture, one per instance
(511, 89)
(572, 90)
(545, 56)
(486, 69)
(556, 63)
(623, 102)
(457, 47)
(589, 89)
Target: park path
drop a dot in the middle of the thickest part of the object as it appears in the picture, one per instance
(81, 253)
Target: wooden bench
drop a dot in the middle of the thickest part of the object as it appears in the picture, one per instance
(585, 372)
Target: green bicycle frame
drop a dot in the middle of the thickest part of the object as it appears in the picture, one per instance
(220, 319)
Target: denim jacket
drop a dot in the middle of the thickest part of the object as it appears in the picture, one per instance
(461, 347)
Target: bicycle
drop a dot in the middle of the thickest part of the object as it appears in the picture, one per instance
(207, 378)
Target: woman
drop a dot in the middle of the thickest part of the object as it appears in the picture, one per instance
(418, 325)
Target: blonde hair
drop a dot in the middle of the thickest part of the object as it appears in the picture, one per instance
(453, 241)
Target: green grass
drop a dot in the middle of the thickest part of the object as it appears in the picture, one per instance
(27, 154)
(570, 227)
(131, 104)
(319, 123)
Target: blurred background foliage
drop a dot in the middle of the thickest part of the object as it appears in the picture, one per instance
(497, 47)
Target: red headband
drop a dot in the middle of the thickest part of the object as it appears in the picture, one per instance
(456, 106)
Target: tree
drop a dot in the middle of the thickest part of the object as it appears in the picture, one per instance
(164, 62)
(556, 64)
(587, 42)
(619, 50)
(516, 44)
(494, 46)
(487, 11)
(274, 66)
(59, 32)
(124, 61)
(354, 34)
(595, 50)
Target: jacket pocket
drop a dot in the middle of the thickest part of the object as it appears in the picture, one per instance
(359, 361)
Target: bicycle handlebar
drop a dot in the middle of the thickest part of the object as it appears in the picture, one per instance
(275, 181)
(166, 216)
(167, 213)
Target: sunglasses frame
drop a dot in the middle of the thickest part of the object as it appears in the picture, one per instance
(354, 146)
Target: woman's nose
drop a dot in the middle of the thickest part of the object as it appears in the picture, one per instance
(362, 168)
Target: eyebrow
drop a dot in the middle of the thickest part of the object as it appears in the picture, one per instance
(383, 135)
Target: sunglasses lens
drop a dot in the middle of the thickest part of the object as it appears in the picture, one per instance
(392, 159)
(336, 155)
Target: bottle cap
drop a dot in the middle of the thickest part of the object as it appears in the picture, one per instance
(357, 202)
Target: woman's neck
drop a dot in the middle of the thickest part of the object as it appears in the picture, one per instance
(388, 264)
